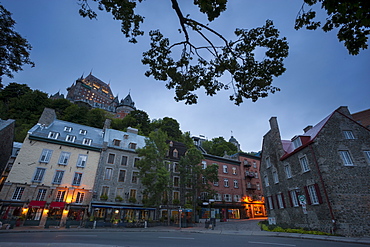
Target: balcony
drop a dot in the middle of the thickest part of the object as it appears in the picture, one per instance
(251, 187)
(249, 175)
(247, 164)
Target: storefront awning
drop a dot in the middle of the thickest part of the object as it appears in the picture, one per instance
(37, 204)
(57, 205)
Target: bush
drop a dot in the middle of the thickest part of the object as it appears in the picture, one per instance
(279, 228)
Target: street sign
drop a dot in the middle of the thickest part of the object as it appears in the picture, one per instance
(302, 199)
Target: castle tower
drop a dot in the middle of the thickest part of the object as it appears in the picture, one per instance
(126, 106)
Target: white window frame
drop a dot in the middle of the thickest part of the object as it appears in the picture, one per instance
(236, 183)
(224, 169)
(215, 183)
(367, 154)
(304, 164)
(297, 142)
(227, 198)
(41, 195)
(83, 132)
(70, 138)
(109, 158)
(275, 176)
(176, 184)
(268, 162)
(204, 164)
(39, 175)
(288, 171)
(58, 177)
(280, 200)
(45, 156)
(87, 141)
(53, 135)
(348, 134)
(126, 160)
(258, 186)
(18, 192)
(293, 195)
(254, 164)
(269, 200)
(80, 197)
(234, 170)
(68, 129)
(237, 198)
(218, 197)
(108, 173)
(124, 177)
(81, 161)
(226, 182)
(313, 194)
(64, 158)
(346, 158)
(266, 180)
(77, 178)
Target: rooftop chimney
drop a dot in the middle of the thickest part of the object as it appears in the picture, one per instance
(307, 128)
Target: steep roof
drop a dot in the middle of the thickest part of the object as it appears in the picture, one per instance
(127, 102)
(93, 79)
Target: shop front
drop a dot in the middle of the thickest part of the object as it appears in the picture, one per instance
(12, 213)
(55, 214)
(34, 213)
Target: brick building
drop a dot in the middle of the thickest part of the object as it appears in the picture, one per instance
(319, 179)
(362, 117)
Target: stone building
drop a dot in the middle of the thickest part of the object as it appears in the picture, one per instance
(118, 191)
(15, 150)
(53, 175)
(319, 179)
(6, 141)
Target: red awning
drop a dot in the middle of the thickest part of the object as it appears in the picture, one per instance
(58, 205)
(37, 204)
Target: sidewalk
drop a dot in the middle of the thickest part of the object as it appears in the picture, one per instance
(231, 227)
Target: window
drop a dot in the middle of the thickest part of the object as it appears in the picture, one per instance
(135, 162)
(226, 182)
(288, 171)
(80, 197)
(227, 197)
(268, 162)
(204, 196)
(236, 198)
(83, 132)
(314, 199)
(64, 157)
(297, 143)
(266, 180)
(176, 181)
(134, 177)
(176, 167)
(218, 197)
(176, 195)
(293, 196)
(77, 179)
(116, 142)
(125, 136)
(254, 164)
(108, 173)
(86, 141)
(367, 154)
(81, 161)
(121, 175)
(67, 129)
(58, 177)
(224, 168)
(304, 164)
(204, 164)
(60, 195)
(215, 183)
(275, 176)
(346, 157)
(280, 200)
(41, 195)
(234, 170)
(104, 190)
(258, 186)
(17, 195)
(124, 161)
(70, 138)
(119, 192)
(53, 135)
(133, 193)
(236, 185)
(256, 174)
(39, 174)
(132, 145)
(45, 155)
(348, 134)
(175, 153)
(269, 200)
(111, 158)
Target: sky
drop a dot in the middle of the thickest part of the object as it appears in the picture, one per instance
(320, 77)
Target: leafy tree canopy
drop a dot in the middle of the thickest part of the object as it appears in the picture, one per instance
(218, 146)
(14, 50)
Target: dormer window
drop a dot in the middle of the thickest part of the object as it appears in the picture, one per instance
(68, 129)
(132, 145)
(116, 142)
(53, 135)
(297, 142)
(125, 136)
(70, 138)
(86, 141)
(175, 153)
(83, 132)
(171, 144)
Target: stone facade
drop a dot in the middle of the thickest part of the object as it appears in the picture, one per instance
(320, 179)
(6, 141)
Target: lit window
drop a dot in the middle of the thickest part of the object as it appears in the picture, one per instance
(348, 134)
(64, 157)
(346, 158)
(304, 164)
(39, 175)
(60, 195)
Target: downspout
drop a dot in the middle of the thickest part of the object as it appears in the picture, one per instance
(323, 186)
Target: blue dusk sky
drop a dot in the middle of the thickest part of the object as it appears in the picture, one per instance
(320, 75)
